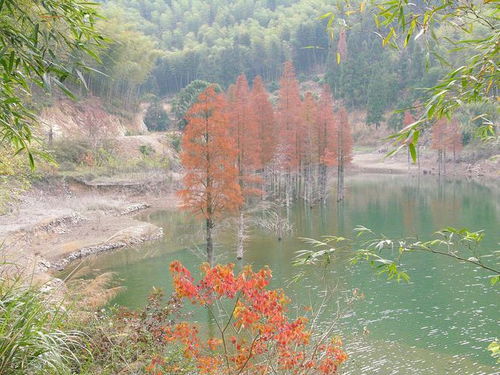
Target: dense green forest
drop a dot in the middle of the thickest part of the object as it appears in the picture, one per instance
(161, 46)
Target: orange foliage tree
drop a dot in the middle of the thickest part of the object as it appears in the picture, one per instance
(256, 337)
(289, 115)
(290, 124)
(264, 113)
(244, 130)
(326, 139)
(446, 137)
(209, 156)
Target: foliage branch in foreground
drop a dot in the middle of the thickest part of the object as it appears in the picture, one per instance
(40, 45)
(462, 35)
(255, 336)
(459, 244)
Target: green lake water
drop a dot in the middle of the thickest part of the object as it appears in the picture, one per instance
(439, 323)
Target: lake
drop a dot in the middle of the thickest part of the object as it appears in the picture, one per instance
(439, 323)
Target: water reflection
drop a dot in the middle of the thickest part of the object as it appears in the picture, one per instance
(439, 323)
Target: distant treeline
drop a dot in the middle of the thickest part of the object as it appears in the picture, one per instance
(161, 46)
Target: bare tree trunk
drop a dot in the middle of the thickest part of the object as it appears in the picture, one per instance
(408, 155)
(241, 236)
(322, 182)
(340, 182)
(444, 162)
(210, 244)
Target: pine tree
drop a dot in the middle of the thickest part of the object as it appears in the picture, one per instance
(209, 155)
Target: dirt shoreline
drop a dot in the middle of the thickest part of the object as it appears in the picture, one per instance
(62, 222)
(56, 224)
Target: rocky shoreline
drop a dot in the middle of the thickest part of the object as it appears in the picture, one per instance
(153, 233)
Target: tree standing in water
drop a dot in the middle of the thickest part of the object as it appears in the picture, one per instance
(326, 140)
(344, 150)
(209, 157)
(445, 137)
(244, 131)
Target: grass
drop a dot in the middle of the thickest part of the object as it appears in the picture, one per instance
(33, 334)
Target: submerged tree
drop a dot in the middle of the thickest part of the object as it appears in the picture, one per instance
(264, 114)
(326, 140)
(289, 126)
(244, 131)
(209, 157)
(445, 137)
(344, 150)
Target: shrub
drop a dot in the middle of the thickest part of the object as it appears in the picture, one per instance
(124, 341)
(15, 178)
(146, 150)
(176, 142)
(70, 151)
(81, 152)
(156, 118)
(265, 340)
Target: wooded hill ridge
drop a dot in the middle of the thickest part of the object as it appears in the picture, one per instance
(159, 47)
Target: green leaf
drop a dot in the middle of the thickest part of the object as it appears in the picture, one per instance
(413, 152)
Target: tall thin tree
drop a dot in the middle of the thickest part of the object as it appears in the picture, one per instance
(209, 157)
(244, 130)
(344, 150)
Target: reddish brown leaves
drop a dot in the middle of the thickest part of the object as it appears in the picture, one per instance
(267, 340)
(209, 158)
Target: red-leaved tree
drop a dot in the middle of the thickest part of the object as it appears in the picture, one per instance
(327, 139)
(290, 126)
(211, 185)
(256, 337)
(244, 131)
(265, 120)
(446, 136)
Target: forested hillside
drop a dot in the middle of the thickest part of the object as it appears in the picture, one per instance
(171, 43)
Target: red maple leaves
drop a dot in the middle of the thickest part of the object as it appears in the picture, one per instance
(257, 336)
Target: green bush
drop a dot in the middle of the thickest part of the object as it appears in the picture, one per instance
(146, 150)
(156, 118)
(186, 98)
(81, 152)
(176, 142)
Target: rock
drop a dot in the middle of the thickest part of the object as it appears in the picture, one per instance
(134, 208)
(129, 236)
(60, 224)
